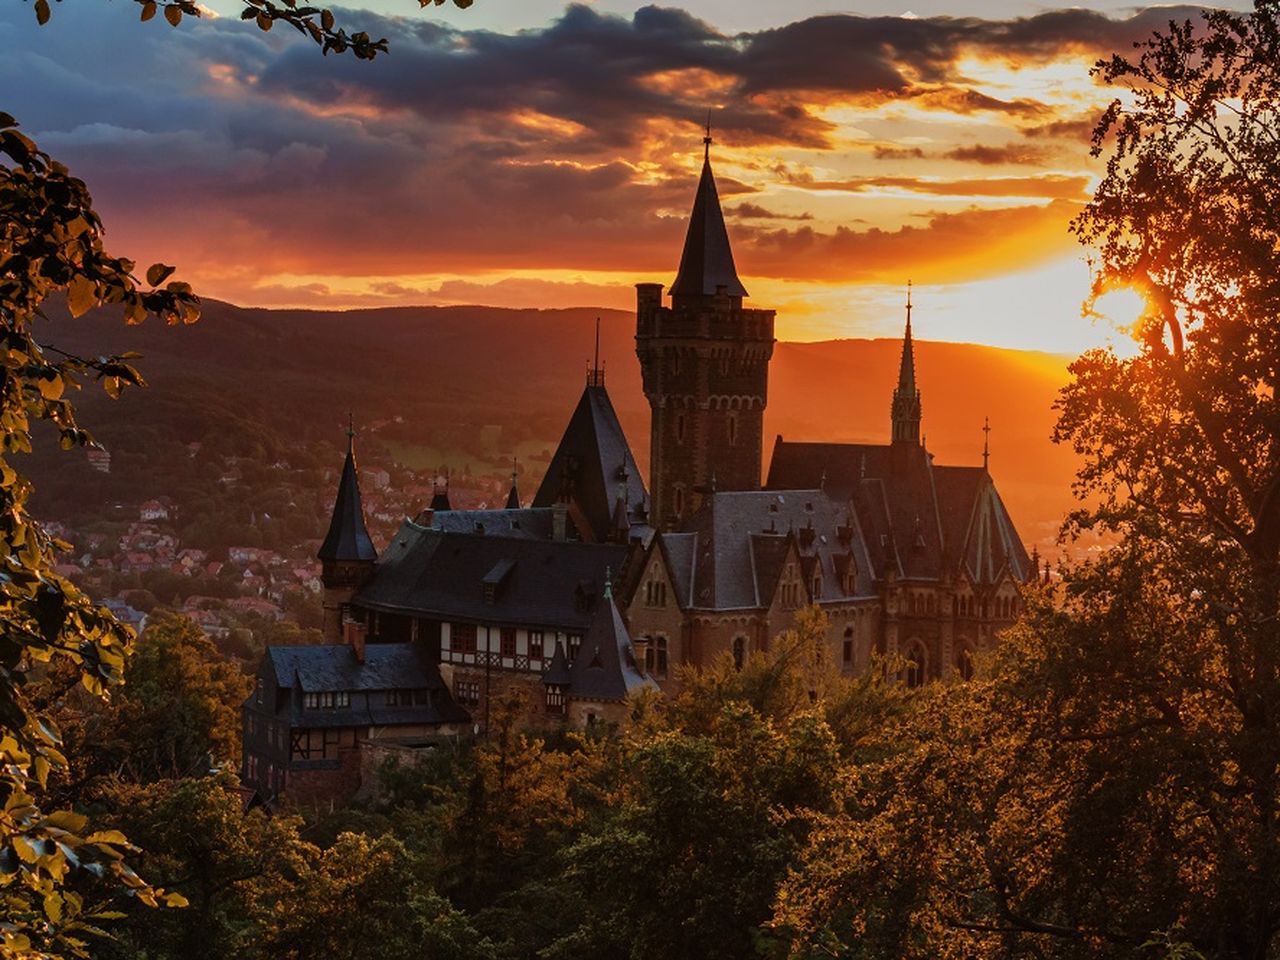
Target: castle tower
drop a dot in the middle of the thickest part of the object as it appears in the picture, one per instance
(705, 364)
(347, 556)
(905, 411)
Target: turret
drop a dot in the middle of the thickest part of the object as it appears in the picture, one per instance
(347, 555)
(705, 363)
(905, 410)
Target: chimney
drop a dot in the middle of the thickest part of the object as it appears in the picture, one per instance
(640, 645)
(559, 521)
(355, 633)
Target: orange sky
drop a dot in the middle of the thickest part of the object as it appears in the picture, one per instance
(554, 165)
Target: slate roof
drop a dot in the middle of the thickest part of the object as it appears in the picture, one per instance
(593, 465)
(605, 667)
(737, 544)
(707, 259)
(332, 668)
(536, 524)
(348, 537)
(918, 520)
(548, 583)
(557, 673)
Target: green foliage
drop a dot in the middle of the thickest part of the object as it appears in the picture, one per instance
(51, 244)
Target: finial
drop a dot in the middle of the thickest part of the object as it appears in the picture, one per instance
(706, 141)
(986, 441)
(351, 431)
(595, 372)
(908, 308)
(515, 469)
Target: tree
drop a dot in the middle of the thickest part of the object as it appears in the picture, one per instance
(1111, 785)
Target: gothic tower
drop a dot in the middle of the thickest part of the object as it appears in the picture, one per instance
(906, 398)
(347, 556)
(705, 364)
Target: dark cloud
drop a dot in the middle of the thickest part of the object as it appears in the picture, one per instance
(882, 152)
(1009, 153)
(752, 211)
(235, 152)
(1050, 186)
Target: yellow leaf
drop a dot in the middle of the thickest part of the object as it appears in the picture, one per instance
(82, 295)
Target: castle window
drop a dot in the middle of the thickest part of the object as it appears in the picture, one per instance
(964, 664)
(507, 641)
(467, 692)
(535, 644)
(575, 641)
(555, 699)
(679, 428)
(679, 499)
(817, 586)
(462, 637)
(914, 674)
(739, 652)
(660, 658)
(656, 593)
(733, 431)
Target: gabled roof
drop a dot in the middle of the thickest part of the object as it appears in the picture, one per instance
(348, 537)
(333, 668)
(918, 520)
(526, 522)
(740, 540)
(544, 583)
(593, 465)
(707, 260)
(605, 667)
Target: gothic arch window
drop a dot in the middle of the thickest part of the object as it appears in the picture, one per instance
(916, 666)
(733, 430)
(739, 652)
(679, 428)
(679, 498)
(964, 663)
(846, 652)
(660, 655)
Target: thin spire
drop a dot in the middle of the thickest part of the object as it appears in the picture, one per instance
(351, 432)
(905, 409)
(513, 497)
(595, 372)
(986, 442)
(706, 141)
(348, 537)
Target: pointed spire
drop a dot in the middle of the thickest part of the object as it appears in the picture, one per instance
(986, 443)
(595, 372)
(906, 398)
(513, 497)
(707, 260)
(348, 537)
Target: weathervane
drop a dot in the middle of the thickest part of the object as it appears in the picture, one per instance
(986, 441)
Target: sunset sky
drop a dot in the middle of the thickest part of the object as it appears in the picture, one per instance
(528, 153)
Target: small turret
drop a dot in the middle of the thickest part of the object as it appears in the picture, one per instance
(347, 555)
(906, 397)
(513, 497)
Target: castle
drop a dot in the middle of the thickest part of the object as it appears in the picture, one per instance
(601, 586)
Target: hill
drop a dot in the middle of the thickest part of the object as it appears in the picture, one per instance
(474, 384)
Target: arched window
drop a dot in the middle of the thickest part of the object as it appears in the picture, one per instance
(914, 673)
(679, 499)
(733, 430)
(964, 663)
(679, 428)
(846, 653)
(739, 652)
(660, 658)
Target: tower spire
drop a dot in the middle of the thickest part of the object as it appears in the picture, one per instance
(706, 263)
(348, 537)
(986, 442)
(351, 433)
(906, 398)
(595, 373)
(513, 497)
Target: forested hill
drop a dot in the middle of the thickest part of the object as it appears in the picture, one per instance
(288, 376)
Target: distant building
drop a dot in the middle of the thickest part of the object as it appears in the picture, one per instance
(152, 510)
(602, 587)
(99, 459)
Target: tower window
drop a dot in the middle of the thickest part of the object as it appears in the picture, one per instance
(660, 658)
(680, 428)
(679, 499)
(733, 431)
(739, 652)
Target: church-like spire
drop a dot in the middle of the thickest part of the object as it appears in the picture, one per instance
(986, 443)
(906, 398)
(707, 261)
(348, 537)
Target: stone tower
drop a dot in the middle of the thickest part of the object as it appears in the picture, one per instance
(347, 556)
(705, 364)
